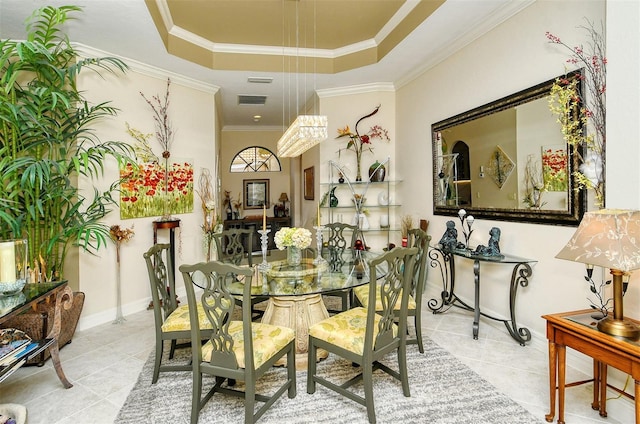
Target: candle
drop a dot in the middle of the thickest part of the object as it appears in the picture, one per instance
(264, 217)
(7, 262)
(318, 214)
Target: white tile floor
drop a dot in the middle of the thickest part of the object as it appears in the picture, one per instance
(103, 363)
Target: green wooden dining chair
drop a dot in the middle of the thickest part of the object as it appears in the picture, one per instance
(363, 336)
(234, 246)
(237, 350)
(419, 239)
(171, 321)
(340, 237)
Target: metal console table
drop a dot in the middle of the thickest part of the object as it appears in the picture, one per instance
(445, 261)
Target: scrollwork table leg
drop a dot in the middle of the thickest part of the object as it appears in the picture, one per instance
(64, 299)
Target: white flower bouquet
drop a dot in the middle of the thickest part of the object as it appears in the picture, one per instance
(296, 237)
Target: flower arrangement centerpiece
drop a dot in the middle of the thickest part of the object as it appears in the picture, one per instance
(293, 239)
(566, 99)
(359, 142)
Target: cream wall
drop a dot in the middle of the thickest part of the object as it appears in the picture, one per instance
(468, 79)
(192, 113)
(231, 144)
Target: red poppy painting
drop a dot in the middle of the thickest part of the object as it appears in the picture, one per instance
(142, 192)
(554, 168)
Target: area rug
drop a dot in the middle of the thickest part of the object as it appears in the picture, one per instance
(443, 391)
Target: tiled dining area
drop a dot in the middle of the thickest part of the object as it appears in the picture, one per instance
(104, 362)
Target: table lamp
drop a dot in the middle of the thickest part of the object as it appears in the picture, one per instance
(609, 238)
(284, 198)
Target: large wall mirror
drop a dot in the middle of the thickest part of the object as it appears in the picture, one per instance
(507, 160)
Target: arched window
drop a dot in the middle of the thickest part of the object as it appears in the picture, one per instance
(255, 159)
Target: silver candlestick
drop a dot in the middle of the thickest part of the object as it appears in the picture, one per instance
(319, 259)
(264, 239)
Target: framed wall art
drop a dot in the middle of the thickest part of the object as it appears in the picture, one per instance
(308, 184)
(256, 193)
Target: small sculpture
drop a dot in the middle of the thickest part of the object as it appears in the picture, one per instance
(449, 240)
(492, 248)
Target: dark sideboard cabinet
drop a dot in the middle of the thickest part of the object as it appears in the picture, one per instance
(273, 224)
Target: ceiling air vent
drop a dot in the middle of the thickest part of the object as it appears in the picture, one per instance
(246, 99)
(260, 80)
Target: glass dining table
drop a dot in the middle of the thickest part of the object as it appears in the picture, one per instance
(295, 292)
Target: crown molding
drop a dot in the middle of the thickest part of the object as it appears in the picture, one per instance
(356, 89)
(149, 70)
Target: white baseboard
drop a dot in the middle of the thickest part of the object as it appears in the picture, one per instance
(89, 321)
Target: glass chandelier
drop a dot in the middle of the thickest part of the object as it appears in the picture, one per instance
(304, 133)
(307, 130)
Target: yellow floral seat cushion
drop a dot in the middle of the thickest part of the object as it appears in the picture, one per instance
(362, 293)
(346, 329)
(267, 341)
(178, 320)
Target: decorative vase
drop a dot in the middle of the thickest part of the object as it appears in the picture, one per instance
(358, 161)
(377, 172)
(341, 179)
(361, 221)
(333, 199)
(294, 256)
(119, 317)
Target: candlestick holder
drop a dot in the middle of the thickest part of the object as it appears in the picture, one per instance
(264, 266)
(319, 259)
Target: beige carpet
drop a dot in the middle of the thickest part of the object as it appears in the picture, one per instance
(443, 391)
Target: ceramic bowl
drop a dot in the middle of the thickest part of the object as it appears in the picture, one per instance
(10, 289)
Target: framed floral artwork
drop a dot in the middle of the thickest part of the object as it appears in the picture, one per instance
(143, 194)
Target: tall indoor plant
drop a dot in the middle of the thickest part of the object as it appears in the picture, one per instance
(47, 142)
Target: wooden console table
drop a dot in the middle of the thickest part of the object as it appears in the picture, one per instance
(578, 331)
(31, 296)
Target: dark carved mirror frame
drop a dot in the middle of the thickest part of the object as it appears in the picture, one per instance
(576, 199)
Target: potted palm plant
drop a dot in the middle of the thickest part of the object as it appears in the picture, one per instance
(47, 143)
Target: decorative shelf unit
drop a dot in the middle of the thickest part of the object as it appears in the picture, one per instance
(377, 217)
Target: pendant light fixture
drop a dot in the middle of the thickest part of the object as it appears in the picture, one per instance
(307, 130)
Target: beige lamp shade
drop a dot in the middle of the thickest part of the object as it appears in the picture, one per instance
(609, 238)
(283, 198)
